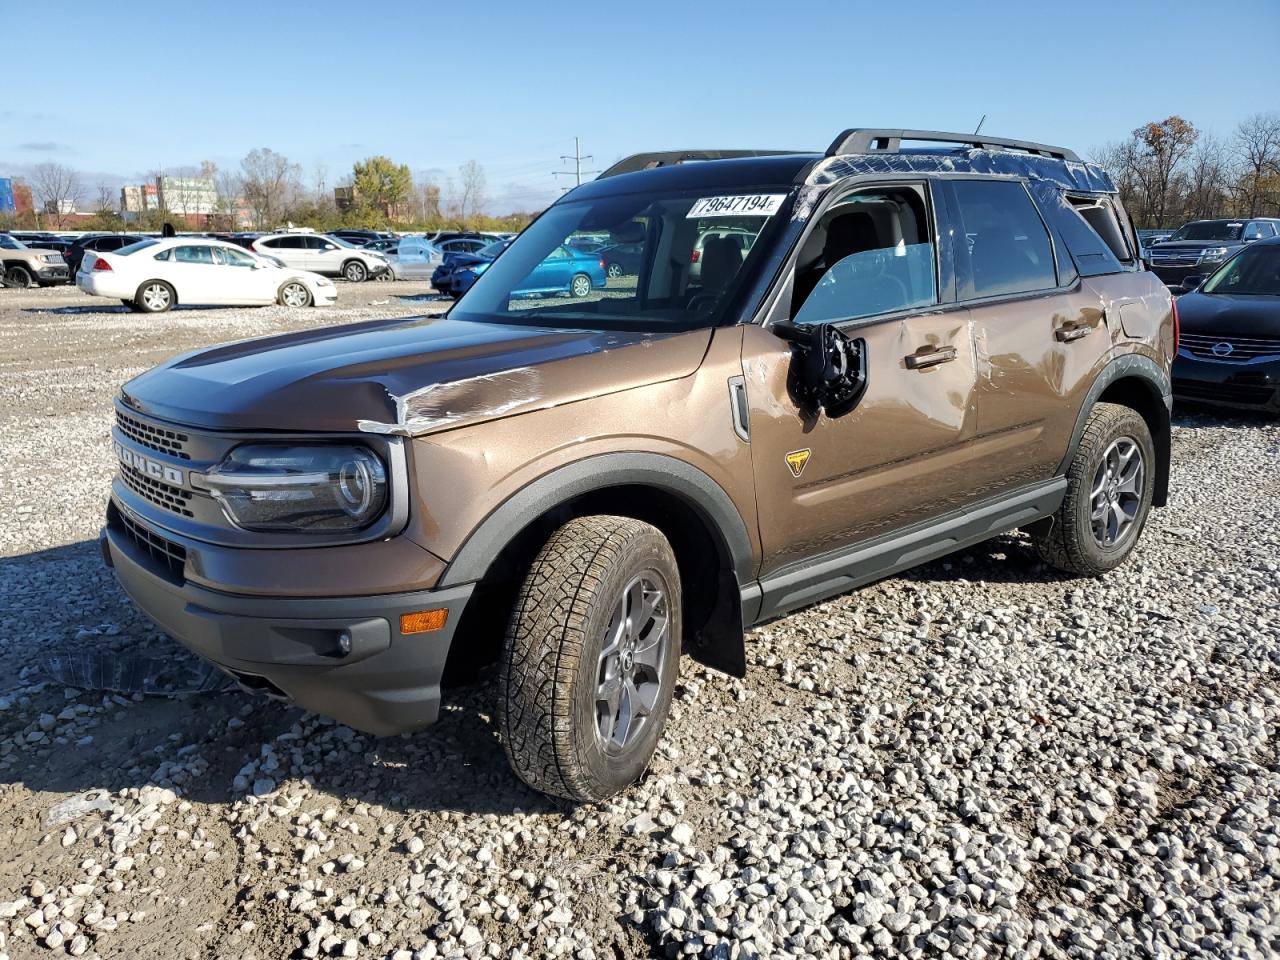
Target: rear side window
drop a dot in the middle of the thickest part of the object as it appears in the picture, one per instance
(1009, 247)
(1101, 216)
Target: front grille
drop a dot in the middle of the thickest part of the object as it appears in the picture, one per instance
(174, 499)
(156, 438)
(1188, 258)
(171, 556)
(1224, 392)
(1241, 348)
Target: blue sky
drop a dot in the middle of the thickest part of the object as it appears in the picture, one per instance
(510, 85)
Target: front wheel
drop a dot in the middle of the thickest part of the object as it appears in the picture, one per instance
(355, 272)
(591, 658)
(155, 296)
(580, 286)
(19, 277)
(1110, 484)
(294, 294)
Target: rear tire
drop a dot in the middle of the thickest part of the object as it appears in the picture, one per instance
(591, 658)
(20, 278)
(155, 296)
(355, 271)
(580, 285)
(1110, 484)
(613, 271)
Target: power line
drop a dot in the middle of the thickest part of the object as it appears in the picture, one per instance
(577, 170)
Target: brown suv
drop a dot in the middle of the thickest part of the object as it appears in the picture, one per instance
(914, 350)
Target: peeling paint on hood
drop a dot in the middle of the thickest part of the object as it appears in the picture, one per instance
(406, 377)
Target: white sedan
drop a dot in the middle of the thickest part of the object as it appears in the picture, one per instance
(153, 275)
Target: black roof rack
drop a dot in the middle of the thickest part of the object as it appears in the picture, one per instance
(868, 140)
(647, 161)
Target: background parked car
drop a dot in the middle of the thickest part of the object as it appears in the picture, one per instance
(565, 270)
(153, 275)
(324, 254)
(1229, 349)
(1201, 246)
(26, 267)
(359, 237)
(459, 270)
(742, 239)
(106, 243)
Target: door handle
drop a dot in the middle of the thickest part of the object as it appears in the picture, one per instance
(931, 358)
(1072, 331)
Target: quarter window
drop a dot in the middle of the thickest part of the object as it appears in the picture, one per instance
(1009, 248)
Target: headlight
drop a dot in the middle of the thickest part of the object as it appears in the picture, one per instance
(1213, 254)
(307, 489)
(323, 282)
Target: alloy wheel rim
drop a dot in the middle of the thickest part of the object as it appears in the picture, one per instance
(295, 295)
(155, 297)
(354, 273)
(1115, 498)
(581, 286)
(632, 661)
(615, 271)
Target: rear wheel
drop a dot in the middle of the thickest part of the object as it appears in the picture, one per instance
(294, 294)
(355, 271)
(155, 296)
(580, 286)
(1110, 484)
(19, 277)
(591, 658)
(613, 271)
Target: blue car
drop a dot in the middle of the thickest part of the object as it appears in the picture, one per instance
(565, 270)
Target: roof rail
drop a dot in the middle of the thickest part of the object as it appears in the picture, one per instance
(867, 140)
(647, 161)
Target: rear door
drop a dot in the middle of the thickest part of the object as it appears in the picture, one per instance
(1039, 331)
(194, 274)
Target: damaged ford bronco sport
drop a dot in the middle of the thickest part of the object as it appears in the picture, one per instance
(887, 352)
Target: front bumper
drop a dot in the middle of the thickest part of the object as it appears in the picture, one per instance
(53, 273)
(387, 682)
(1224, 383)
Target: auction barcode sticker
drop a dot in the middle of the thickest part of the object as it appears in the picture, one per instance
(750, 205)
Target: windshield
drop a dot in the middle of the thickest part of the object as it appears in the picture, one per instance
(1209, 230)
(1254, 272)
(9, 243)
(492, 250)
(689, 254)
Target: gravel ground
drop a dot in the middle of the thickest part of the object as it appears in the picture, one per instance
(979, 759)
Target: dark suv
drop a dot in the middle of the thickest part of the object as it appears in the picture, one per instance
(1198, 248)
(916, 350)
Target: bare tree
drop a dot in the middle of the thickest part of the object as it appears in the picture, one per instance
(57, 189)
(1207, 180)
(271, 184)
(105, 201)
(471, 195)
(1258, 141)
(322, 196)
(229, 187)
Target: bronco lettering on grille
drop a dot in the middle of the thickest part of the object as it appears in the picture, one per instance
(149, 467)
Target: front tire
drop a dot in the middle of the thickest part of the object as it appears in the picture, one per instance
(355, 271)
(20, 278)
(294, 294)
(591, 658)
(1110, 484)
(155, 296)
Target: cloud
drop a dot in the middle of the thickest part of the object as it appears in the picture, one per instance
(44, 146)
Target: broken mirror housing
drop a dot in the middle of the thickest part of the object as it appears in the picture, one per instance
(309, 488)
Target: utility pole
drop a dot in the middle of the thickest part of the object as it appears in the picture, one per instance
(577, 170)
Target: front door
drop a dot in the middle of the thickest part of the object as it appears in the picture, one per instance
(901, 456)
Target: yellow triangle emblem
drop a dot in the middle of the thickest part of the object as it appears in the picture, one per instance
(796, 460)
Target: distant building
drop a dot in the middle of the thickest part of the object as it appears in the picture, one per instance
(189, 196)
(65, 207)
(23, 202)
(6, 195)
(344, 197)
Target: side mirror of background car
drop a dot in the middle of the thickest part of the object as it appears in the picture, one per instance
(828, 370)
(1192, 282)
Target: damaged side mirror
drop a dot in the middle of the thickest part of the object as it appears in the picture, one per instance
(828, 370)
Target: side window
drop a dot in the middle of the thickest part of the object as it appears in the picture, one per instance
(870, 253)
(1101, 216)
(193, 254)
(1258, 230)
(1009, 247)
(320, 243)
(275, 244)
(234, 258)
(163, 255)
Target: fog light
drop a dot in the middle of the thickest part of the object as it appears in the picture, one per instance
(423, 621)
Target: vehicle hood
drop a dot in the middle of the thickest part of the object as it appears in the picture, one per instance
(1211, 313)
(407, 377)
(1171, 246)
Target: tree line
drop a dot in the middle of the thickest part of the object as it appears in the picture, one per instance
(268, 190)
(1169, 171)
